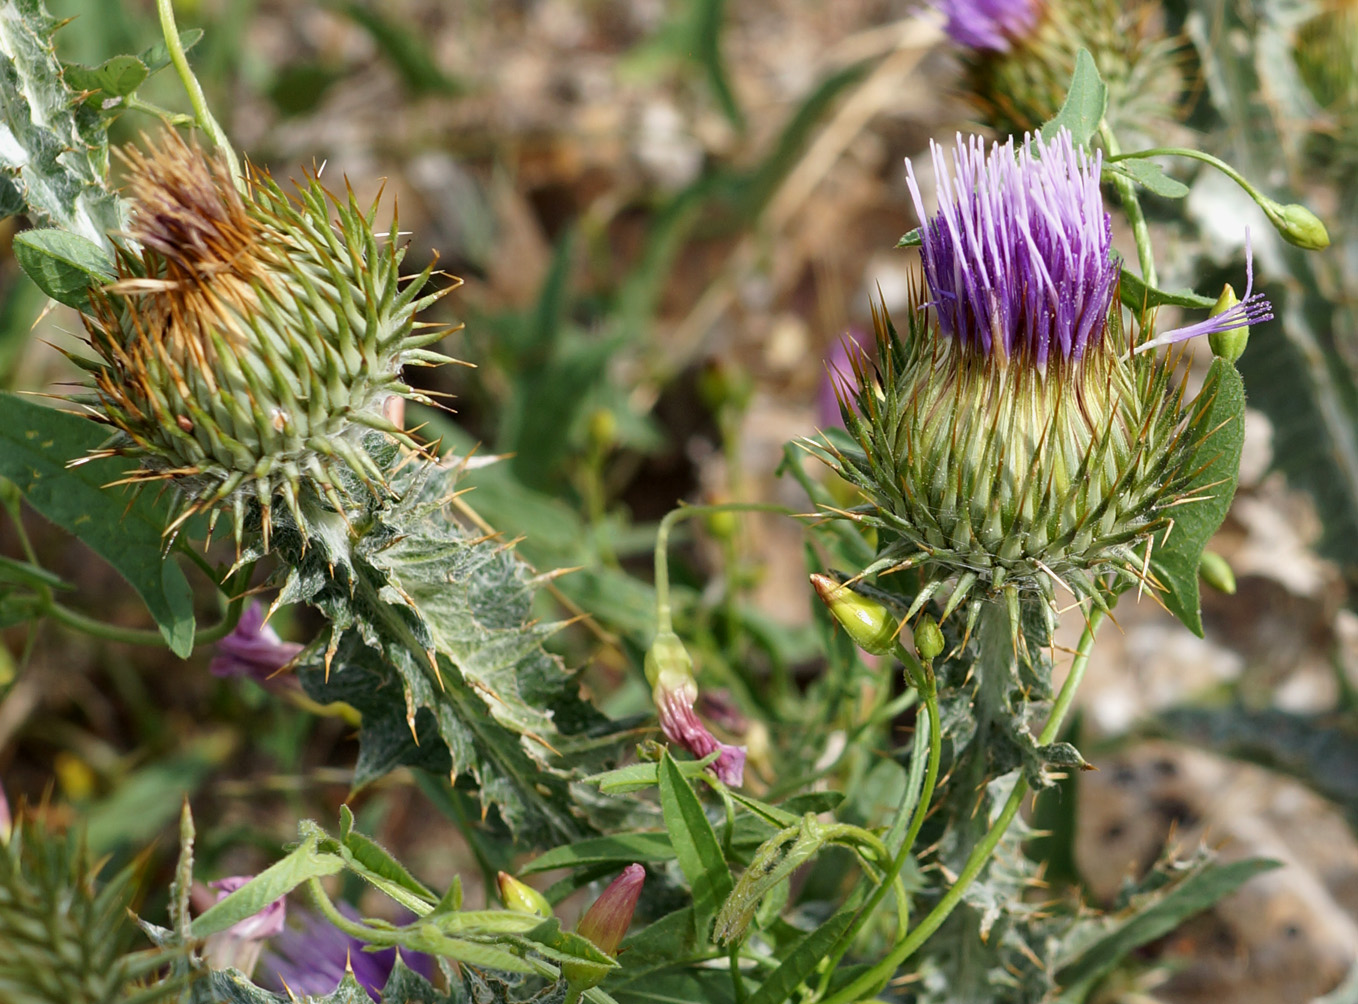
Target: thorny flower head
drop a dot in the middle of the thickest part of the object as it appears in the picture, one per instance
(1014, 437)
(251, 341)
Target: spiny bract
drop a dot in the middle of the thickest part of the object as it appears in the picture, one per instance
(1013, 439)
(251, 338)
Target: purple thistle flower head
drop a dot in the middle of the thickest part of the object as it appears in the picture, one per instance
(313, 957)
(1018, 257)
(252, 649)
(989, 24)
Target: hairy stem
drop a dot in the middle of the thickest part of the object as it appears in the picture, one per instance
(663, 619)
(980, 855)
(1131, 205)
(201, 113)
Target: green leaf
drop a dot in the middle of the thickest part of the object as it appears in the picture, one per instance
(695, 843)
(801, 961)
(1193, 895)
(1136, 295)
(911, 240)
(114, 78)
(157, 57)
(1150, 176)
(1085, 103)
(374, 864)
(640, 776)
(432, 637)
(622, 848)
(36, 444)
(64, 265)
(274, 882)
(1219, 418)
(678, 986)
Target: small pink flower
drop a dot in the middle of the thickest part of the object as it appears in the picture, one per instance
(253, 649)
(682, 726)
(240, 944)
(669, 670)
(606, 922)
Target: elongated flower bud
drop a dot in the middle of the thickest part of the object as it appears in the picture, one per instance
(869, 623)
(608, 918)
(669, 670)
(252, 340)
(928, 639)
(1014, 436)
(521, 897)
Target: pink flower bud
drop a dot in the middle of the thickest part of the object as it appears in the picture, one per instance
(606, 922)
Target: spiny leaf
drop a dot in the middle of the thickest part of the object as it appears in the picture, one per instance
(53, 148)
(433, 642)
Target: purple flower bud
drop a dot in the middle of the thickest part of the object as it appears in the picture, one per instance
(606, 922)
(253, 649)
(264, 924)
(669, 669)
(989, 24)
(6, 821)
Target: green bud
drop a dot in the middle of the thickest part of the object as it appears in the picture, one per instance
(1297, 224)
(1217, 573)
(1228, 345)
(521, 897)
(668, 663)
(928, 639)
(869, 623)
(603, 428)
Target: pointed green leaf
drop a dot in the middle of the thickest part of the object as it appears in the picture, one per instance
(1218, 417)
(802, 960)
(65, 266)
(276, 881)
(1195, 894)
(1150, 176)
(1136, 295)
(695, 844)
(1085, 103)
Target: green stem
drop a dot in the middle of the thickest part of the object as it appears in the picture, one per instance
(980, 855)
(201, 113)
(664, 621)
(363, 933)
(1131, 205)
(1206, 158)
(928, 687)
(100, 629)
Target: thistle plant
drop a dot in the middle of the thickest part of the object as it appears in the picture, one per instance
(1016, 439)
(1021, 437)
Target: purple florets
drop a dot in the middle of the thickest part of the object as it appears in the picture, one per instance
(1018, 258)
(989, 24)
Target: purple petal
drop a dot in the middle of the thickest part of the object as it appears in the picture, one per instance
(682, 726)
(311, 958)
(253, 649)
(1253, 308)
